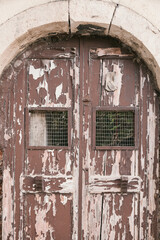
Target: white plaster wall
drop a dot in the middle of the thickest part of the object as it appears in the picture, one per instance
(149, 9)
(135, 22)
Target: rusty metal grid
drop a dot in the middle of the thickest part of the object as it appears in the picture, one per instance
(57, 128)
(56, 124)
(115, 128)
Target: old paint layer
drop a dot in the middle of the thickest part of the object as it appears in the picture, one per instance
(78, 191)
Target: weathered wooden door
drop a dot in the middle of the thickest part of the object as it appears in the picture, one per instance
(119, 145)
(84, 142)
(50, 173)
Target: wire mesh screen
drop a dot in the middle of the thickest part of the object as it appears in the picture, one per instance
(48, 128)
(115, 128)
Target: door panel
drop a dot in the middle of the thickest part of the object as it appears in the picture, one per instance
(121, 92)
(49, 82)
(50, 173)
(119, 216)
(116, 219)
(112, 179)
(43, 216)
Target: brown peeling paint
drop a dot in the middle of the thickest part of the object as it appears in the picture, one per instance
(107, 168)
(7, 205)
(79, 191)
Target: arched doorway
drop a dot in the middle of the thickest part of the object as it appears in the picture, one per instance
(81, 142)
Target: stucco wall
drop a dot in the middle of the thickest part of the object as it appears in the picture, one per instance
(146, 8)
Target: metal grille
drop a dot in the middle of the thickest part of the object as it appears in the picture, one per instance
(115, 128)
(49, 128)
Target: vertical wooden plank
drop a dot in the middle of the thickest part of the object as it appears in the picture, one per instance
(19, 106)
(75, 151)
(152, 157)
(143, 152)
(94, 221)
(8, 134)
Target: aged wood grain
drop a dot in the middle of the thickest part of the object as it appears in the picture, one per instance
(78, 191)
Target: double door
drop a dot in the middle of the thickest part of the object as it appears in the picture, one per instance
(86, 155)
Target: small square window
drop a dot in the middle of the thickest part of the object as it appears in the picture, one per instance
(115, 128)
(48, 128)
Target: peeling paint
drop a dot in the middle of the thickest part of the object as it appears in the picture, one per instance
(64, 199)
(6, 135)
(115, 168)
(81, 180)
(43, 227)
(151, 153)
(20, 137)
(7, 205)
(36, 73)
(58, 91)
(49, 65)
(118, 81)
(44, 85)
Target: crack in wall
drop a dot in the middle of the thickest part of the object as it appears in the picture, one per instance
(69, 18)
(117, 5)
